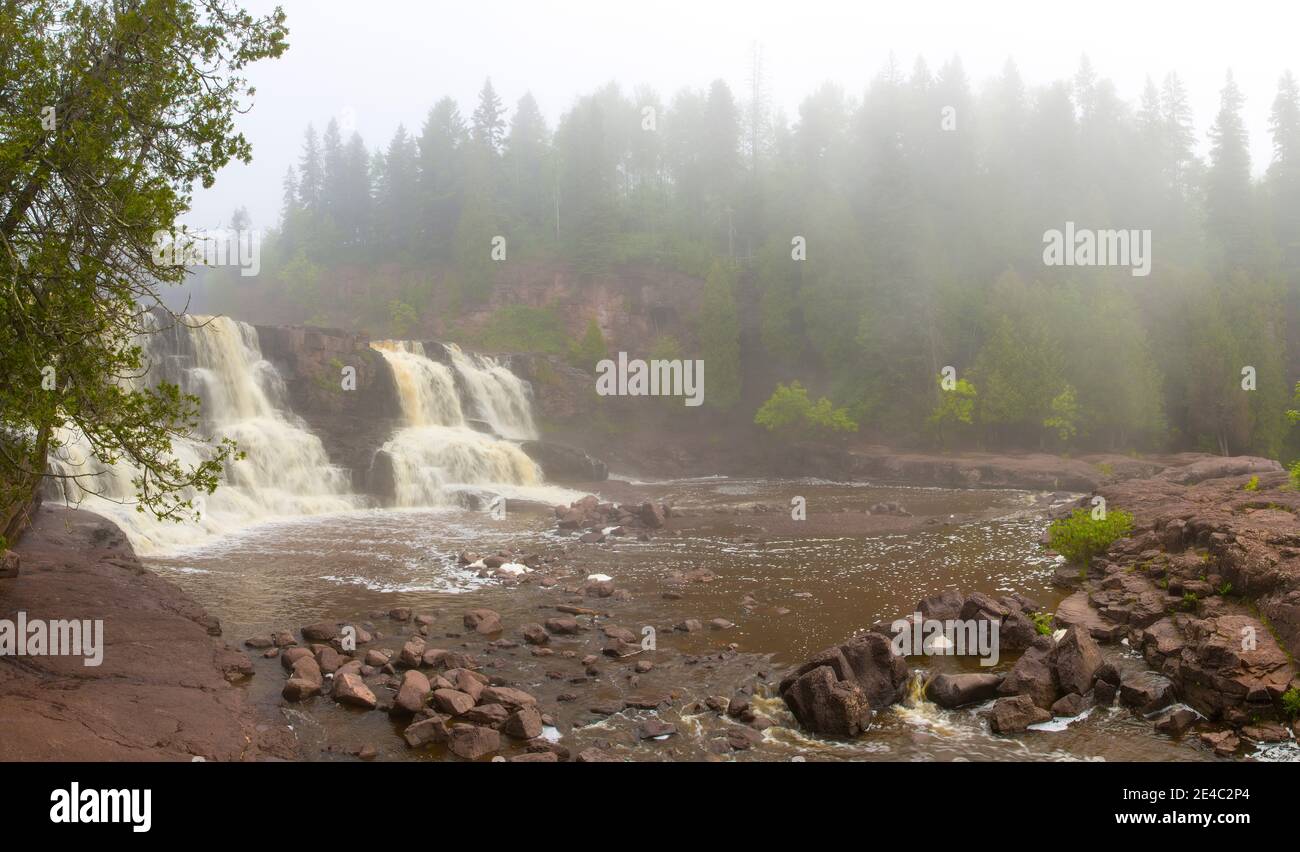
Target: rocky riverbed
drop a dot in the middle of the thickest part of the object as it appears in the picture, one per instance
(682, 619)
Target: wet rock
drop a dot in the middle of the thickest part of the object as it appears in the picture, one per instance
(329, 660)
(619, 649)
(368, 752)
(283, 639)
(260, 641)
(483, 621)
(720, 624)
(467, 681)
(412, 695)
(690, 625)
(452, 701)
(652, 729)
(1218, 672)
(742, 739)
(957, 690)
(536, 757)
(492, 715)
(1032, 676)
(535, 634)
(1103, 693)
(595, 755)
(1146, 692)
(412, 654)
(563, 626)
(827, 705)
(299, 689)
(1015, 714)
(738, 706)
(562, 463)
(425, 731)
(1177, 723)
(622, 634)
(9, 565)
(513, 699)
(524, 724)
(291, 656)
(321, 631)
(1224, 743)
(378, 657)
(643, 666)
(650, 515)
(1070, 705)
(1076, 659)
(1076, 611)
(606, 708)
(1266, 732)
(943, 606)
(400, 613)
(472, 742)
(351, 690)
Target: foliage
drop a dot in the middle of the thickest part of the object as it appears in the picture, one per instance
(523, 328)
(1252, 485)
(401, 318)
(719, 333)
(1291, 702)
(134, 126)
(791, 413)
(1080, 537)
(590, 349)
(1042, 622)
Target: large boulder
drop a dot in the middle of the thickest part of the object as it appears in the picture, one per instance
(956, 690)
(351, 690)
(1032, 676)
(1147, 692)
(1016, 713)
(827, 705)
(412, 695)
(1076, 658)
(834, 692)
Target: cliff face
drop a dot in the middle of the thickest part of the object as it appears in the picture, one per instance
(351, 423)
(633, 306)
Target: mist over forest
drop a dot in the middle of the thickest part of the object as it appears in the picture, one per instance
(923, 202)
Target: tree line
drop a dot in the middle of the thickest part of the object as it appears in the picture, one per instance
(859, 247)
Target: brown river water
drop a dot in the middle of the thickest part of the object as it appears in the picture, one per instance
(816, 583)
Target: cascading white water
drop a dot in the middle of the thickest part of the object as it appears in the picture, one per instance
(500, 397)
(285, 471)
(437, 455)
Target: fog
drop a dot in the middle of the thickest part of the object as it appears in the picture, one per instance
(382, 64)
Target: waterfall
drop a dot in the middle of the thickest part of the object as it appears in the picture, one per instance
(285, 472)
(437, 456)
(499, 396)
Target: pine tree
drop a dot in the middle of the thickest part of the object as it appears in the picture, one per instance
(311, 172)
(489, 122)
(1227, 191)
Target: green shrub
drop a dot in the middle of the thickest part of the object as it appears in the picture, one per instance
(1291, 702)
(791, 413)
(1042, 622)
(1080, 537)
(1253, 485)
(1190, 600)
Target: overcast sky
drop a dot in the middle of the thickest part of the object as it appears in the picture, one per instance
(386, 62)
